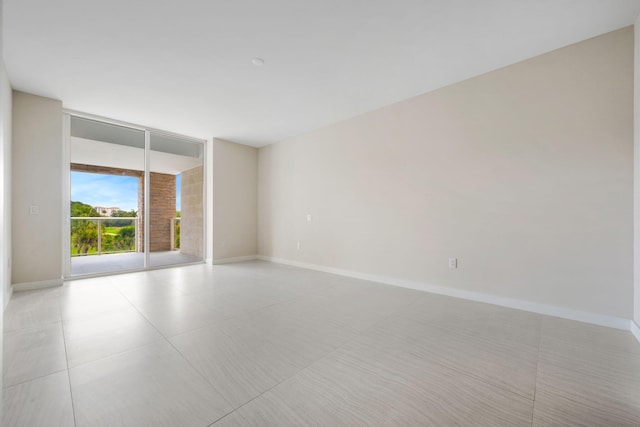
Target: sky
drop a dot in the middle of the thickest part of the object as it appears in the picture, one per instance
(109, 190)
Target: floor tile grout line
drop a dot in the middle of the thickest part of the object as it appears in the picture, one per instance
(38, 304)
(119, 353)
(535, 384)
(396, 313)
(197, 371)
(213, 324)
(223, 417)
(582, 346)
(39, 377)
(66, 356)
(392, 314)
(32, 328)
(135, 347)
(182, 356)
(225, 333)
(313, 362)
(478, 378)
(358, 334)
(482, 380)
(166, 339)
(470, 375)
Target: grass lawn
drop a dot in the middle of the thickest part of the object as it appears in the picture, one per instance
(112, 230)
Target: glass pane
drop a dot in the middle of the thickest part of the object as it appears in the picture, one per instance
(107, 196)
(176, 207)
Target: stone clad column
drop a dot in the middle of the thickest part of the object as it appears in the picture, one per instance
(191, 221)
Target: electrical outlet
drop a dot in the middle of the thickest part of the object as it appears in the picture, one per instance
(453, 262)
(309, 217)
(298, 246)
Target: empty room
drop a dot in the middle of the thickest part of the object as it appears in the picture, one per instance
(329, 213)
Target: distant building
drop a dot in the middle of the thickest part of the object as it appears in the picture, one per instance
(105, 211)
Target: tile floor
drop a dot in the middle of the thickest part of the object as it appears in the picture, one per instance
(107, 263)
(260, 344)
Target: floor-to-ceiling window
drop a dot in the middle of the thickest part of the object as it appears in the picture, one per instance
(175, 200)
(135, 198)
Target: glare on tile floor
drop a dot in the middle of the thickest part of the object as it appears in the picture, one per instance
(257, 343)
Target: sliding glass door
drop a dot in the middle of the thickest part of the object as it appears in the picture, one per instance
(175, 201)
(135, 198)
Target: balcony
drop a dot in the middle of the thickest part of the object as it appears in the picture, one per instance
(108, 244)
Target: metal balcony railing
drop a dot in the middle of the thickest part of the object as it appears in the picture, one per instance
(175, 234)
(91, 236)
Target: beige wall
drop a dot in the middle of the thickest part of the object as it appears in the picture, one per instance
(524, 174)
(37, 181)
(5, 189)
(208, 172)
(191, 220)
(5, 186)
(234, 200)
(636, 198)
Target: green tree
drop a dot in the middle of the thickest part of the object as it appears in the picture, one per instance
(121, 222)
(84, 234)
(125, 240)
(125, 214)
(82, 209)
(176, 242)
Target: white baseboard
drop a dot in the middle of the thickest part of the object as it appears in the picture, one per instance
(235, 259)
(551, 310)
(635, 330)
(30, 286)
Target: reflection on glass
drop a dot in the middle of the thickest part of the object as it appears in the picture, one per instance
(107, 221)
(175, 201)
(107, 174)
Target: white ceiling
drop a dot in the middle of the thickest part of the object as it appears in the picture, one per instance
(185, 66)
(97, 153)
